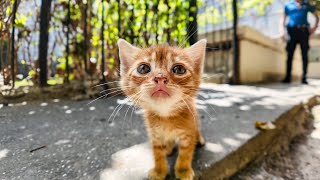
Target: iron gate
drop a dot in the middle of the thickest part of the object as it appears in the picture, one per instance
(219, 28)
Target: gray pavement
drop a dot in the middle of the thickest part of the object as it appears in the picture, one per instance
(81, 141)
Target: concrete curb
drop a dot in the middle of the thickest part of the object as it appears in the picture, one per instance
(288, 126)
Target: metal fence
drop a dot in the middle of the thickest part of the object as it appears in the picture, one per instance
(219, 28)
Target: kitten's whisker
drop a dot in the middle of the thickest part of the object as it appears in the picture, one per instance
(215, 112)
(213, 48)
(105, 95)
(206, 77)
(133, 109)
(134, 102)
(203, 109)
(116, 91)
(118, 70)
(105, 83)
(135, 106)
(97, 99)
(122, 87)
(187, 29)
(184, 41)
(127, 112)
(190, 35)
(123, 105)
(115, 110)
(200, 109)
(186, 88)
(189, 109)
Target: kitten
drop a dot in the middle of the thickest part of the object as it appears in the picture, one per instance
(164, 81)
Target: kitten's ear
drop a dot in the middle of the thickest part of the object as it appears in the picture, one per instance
(126, 54)
(197, 52)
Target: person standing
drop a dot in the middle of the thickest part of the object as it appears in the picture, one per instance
(299, 31)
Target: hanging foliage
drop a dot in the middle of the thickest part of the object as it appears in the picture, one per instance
(141, 22)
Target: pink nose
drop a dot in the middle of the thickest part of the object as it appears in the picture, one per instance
(160, 79)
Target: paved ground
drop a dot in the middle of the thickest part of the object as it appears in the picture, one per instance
(83, 141)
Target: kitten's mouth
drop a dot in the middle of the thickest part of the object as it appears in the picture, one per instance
(160, 92)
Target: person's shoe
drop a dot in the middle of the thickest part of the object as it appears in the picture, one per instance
(304, 81)
(286, 80)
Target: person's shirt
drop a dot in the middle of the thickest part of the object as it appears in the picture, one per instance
(298, 14)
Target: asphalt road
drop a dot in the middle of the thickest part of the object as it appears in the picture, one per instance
(61, 139)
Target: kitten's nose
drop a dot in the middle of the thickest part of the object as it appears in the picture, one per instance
(160, 79)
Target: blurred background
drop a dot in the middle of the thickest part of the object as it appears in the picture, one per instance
(80, 45)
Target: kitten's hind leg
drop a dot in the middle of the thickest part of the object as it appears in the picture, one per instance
(201, 141)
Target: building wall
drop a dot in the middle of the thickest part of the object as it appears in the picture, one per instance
(314, 57)
(263, 59)
(314, 70)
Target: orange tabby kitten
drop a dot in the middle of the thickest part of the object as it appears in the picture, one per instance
(164, 81)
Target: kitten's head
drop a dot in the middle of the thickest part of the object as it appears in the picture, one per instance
(161, 78)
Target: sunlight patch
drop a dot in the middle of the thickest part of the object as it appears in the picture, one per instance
(203, 94)
(3, 153)
(44, 104)
(201, 107)
(231, 142)
(62, 141)
(56, 100)
(243, 136)
(131, 163)
(220, 102)
(316, 113)
(316, 134)
(31, 112)
(202, 102)
(212, 147)
(245, 108)
(139, 111)
(317, 125)
(68, 111)
(123, 101)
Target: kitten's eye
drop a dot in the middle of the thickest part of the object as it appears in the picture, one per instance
(143, 69)
(179, 69)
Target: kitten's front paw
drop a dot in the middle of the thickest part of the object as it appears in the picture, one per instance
(184, 174)
(157, 174)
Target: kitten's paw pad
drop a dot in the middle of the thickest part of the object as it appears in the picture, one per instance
(157, 175)
(184, 174)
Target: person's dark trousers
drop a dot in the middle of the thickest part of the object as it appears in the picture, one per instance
(297, 36)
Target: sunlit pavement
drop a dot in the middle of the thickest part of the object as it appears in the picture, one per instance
(61, 139)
